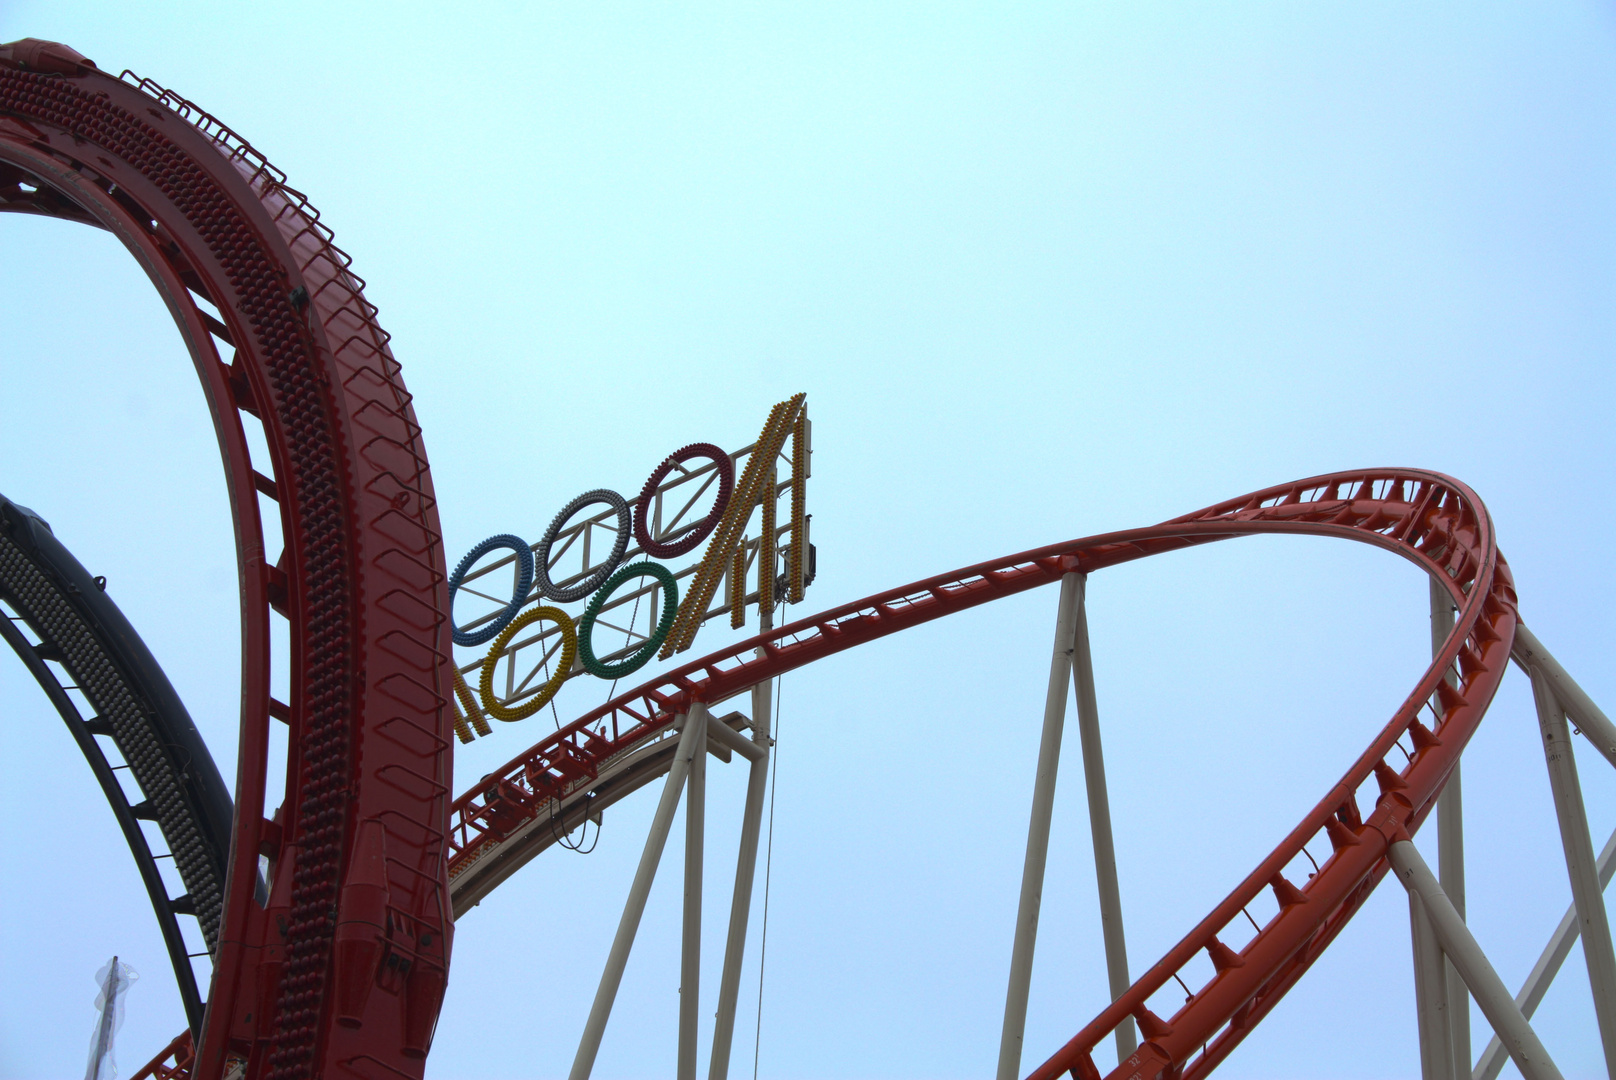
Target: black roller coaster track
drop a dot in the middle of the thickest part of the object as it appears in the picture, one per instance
(72, 638)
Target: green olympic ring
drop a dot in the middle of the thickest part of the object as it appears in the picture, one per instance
(641, 656)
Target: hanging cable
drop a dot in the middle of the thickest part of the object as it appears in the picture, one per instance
(768, 869)
(565, 838)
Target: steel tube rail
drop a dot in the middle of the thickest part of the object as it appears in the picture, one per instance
(1450, 850)
(1586, 894)
(740, 905)
(1500, 1009)
(1043, 810)
(1105, 856)
(1589, 718)
(1430, 995)
(1547, 966)
(695, 851)
(634, 908)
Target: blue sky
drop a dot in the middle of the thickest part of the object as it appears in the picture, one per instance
(1043, 271)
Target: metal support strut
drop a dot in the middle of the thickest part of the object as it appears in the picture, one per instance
(1071, 654)
(729, 983)
(1488, 989)
(1043, 808)
(639, 891)
(1580, 864)
(1547, 966)
(1450, 853)
(1105, 856)
(690, 946)
(1430, 995)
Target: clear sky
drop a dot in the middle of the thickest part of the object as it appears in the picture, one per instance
(1043, 271)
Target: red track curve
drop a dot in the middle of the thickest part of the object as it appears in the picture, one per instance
(1430, 519)
(343, 973)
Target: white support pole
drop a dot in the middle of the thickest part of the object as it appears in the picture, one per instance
(740, 905)
(1547, 966)
(634, 908)
(1485, 985)
(690, 947)
(1529, 653)
(1105, 856)
(1580, 865)
(1430, 995)
(1450, 851)
(1043, 808)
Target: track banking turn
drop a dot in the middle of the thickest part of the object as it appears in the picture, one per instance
(1432, 520)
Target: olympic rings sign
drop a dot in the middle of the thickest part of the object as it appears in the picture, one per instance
(533, 569)
(726, 519)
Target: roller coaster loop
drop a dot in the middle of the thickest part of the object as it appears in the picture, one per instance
(343, 972)
(1429, 519)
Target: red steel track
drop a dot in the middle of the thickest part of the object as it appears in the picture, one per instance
(343, 973)
(1431, 520)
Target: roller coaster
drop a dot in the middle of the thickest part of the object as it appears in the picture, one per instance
(327, 910)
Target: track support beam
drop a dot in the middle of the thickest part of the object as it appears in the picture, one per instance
(1043, 808)
(639, 891)
(729, 983)
(1529, 653)
(690, 946)
(1455, 940)
(1430, 995)
(1580, 865)
(1547, 966)
(1450, 850)
(1105, 856)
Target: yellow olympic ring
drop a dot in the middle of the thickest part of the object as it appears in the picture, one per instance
(569, 652)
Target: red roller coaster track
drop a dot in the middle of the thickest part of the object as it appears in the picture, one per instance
(1429, 519)
(343, 972)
